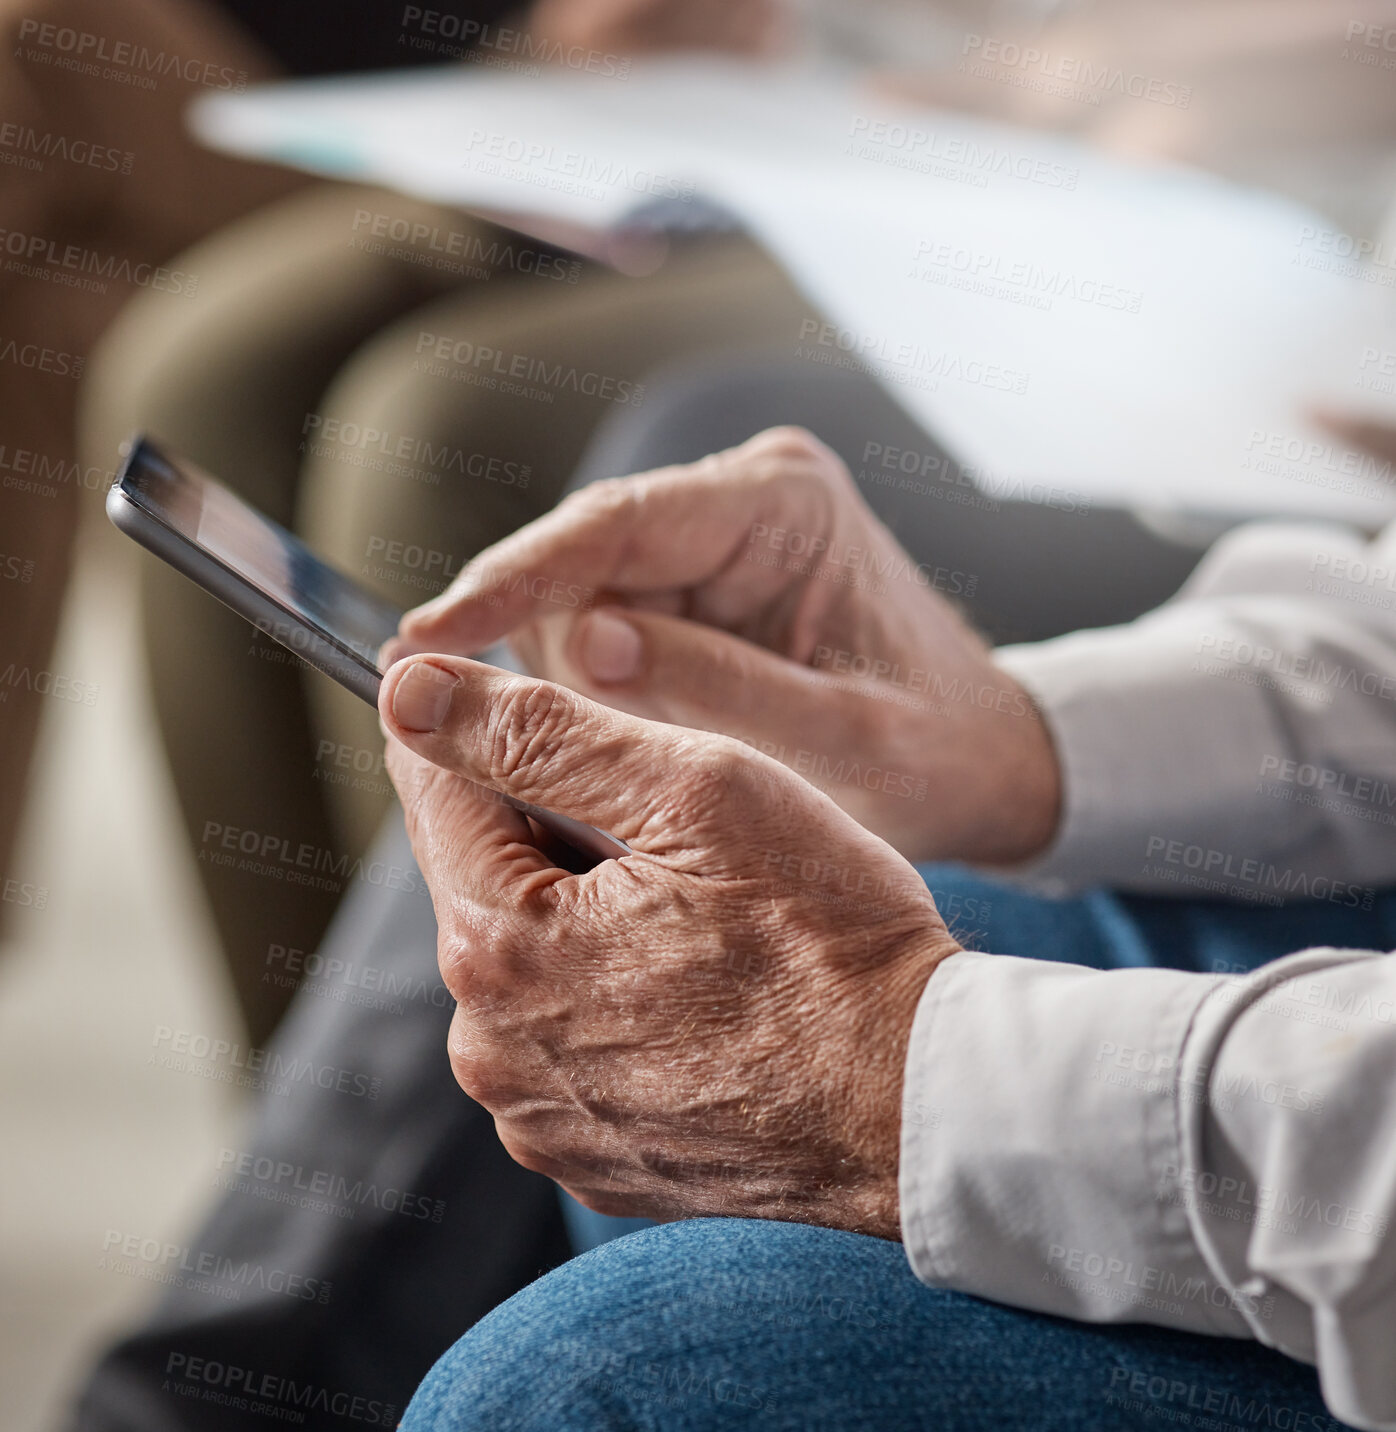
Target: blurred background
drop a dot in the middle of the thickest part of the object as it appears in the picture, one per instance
(269, 323)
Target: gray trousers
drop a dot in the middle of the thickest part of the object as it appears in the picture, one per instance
(367, 1224)
(370, 1215)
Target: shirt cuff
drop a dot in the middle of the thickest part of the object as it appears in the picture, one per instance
(1041, 1151)
(1124, 705)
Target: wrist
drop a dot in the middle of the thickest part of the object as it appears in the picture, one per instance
(873, 1205)
(1024, 808)
(996, 779)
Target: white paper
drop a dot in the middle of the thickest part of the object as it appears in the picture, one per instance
(985, 274)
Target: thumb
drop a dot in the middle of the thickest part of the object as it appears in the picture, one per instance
(690, 674)
(541, 744)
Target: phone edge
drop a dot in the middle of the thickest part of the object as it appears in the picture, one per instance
(240, 596)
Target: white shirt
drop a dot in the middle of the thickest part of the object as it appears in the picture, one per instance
(1204, 1152)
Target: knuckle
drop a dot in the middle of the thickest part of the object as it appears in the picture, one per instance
(718, 771)
(525, 727)
(478, 960)
(478, 1077)
(456, 959)
(523, 1153)
(797, 451)
(795, 444)
(792, 454)
(602, 501)
(482, 1064)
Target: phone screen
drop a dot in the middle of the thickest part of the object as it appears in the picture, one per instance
(197, 525)
(260, 552)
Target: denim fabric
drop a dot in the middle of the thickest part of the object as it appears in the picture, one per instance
(726, 1323)
(1110, 931)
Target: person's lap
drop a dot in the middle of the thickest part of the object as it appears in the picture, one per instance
(728, 1322)
(1106, 929)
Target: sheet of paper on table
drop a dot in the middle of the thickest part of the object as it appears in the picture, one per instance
(1146, 336)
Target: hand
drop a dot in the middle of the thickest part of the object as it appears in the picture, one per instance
(754, 593)
(1367, 434)
(715, 1024)
(1236, 86)
(632, 27)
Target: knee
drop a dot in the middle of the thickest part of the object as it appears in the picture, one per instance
(539, 1358)
(408, 473)
(161, 364)
(682, 1323)
(122, 375)
(268, 296)
(390, 419)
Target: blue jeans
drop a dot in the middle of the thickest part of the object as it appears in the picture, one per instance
(715, 1323)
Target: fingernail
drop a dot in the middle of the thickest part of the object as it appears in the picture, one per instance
(610, 648)
(422, 696)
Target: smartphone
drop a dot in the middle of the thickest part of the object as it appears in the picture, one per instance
(268, 575)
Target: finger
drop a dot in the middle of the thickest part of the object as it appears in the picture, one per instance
(491, 1064)
(472, 848)
(647, 783)
(668, 669)
(777, 31)
(674, 528)
(1374, 435)
(738, 28)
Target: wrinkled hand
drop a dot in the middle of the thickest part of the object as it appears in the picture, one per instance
(714, 1024)
(633, 27)
(754, 593)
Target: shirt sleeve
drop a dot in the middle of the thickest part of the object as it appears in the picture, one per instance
(1236, 742)
(1204, 1153)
